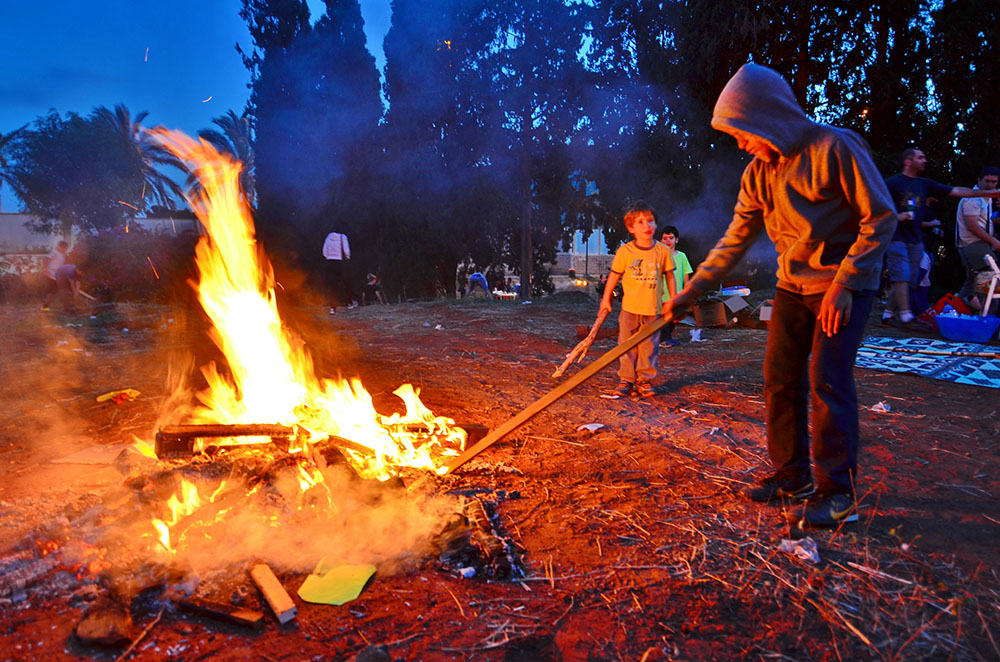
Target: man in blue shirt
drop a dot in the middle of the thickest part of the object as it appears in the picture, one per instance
(910, 192)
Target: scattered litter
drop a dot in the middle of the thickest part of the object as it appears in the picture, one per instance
(93, 317)
(805, 549)
(696, 336)
(438, 327)
(467, 572)
(591, 427)
(120, 396)
(610, 396)
(61, 343)
(882, 407)
(335, 584)
(713, 431)
(693, 412)
(427, 324)
(125, 330)
(526, 302)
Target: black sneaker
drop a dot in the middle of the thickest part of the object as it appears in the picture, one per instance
(623, 390)
(829, 509)
(788, 489)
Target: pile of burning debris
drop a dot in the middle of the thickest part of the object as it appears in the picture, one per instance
(206, 533)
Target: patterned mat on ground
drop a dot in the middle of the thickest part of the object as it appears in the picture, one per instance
(966, 363)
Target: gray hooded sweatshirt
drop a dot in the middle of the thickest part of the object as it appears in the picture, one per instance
(823, 203)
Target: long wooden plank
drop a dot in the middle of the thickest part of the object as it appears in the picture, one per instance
(592, 369)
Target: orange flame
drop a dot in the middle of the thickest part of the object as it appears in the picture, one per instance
(272, 378)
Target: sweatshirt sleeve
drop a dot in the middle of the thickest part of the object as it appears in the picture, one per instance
(743, 230)
(866, 192)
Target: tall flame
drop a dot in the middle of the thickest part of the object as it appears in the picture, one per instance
(271, 375)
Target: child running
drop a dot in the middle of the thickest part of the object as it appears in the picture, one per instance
(640, 265)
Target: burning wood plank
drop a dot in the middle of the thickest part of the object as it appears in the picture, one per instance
(173, 441)
(275, 594)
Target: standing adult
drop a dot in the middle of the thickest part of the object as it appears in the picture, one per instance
(909, 193)
(337, 251)
(53, 262)
(817, 193)
(974, 231)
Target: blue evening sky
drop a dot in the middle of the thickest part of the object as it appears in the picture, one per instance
(173, 58)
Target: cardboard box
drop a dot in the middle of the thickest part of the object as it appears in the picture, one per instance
(710, 314)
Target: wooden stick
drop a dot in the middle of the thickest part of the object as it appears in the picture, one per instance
(581, 348)
(275, 594)
(595, 366)
(142, 635)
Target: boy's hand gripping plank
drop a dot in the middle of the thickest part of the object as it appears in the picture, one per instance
(581, 348)
(595, 366)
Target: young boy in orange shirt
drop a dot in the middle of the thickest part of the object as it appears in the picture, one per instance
(640, 265)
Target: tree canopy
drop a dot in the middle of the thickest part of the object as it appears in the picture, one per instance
(501, 128)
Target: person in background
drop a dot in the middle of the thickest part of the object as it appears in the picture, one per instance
(643, 266)
(910, 192)
(478, 280)
(974, 231)
(337, 251)
(372, 291)
(669, 236)
(53, 262)
(817, 193)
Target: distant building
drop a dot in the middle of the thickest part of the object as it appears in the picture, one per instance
(586, 258)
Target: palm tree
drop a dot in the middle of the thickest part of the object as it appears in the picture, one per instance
(236, 140)
(158, 187)
(6, 140)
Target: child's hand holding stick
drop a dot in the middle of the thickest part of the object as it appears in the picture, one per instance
(581, 348)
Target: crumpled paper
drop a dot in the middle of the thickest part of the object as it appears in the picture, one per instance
(120, 396)
(881, 407)
(805, 549)
(696, 336)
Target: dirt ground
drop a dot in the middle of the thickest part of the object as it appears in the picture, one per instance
(634, 540)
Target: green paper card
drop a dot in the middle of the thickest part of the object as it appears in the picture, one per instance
(335, 584)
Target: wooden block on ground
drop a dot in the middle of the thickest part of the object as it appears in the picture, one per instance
(223, 612)
(275, 594)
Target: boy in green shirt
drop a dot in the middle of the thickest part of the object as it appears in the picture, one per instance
(669, 236)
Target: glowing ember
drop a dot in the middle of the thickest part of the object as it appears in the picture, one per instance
(271, 375)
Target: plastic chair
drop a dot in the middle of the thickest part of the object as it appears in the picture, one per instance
(993, 294)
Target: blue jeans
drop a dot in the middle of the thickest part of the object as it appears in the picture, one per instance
(802, 366)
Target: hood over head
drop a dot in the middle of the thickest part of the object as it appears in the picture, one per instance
(758, 100)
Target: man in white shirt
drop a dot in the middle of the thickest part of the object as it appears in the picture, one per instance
(974, 231)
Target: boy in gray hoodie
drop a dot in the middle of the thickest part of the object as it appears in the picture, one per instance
(816, 192)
